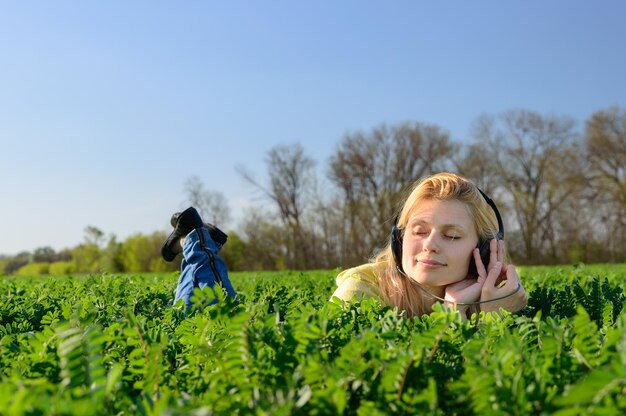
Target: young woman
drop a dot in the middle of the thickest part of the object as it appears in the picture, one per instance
(434, 254)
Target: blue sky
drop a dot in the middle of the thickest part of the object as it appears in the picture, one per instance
(106, 108)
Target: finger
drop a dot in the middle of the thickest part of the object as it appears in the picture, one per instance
(480, 267)
(465, 283)
(492, 276)
(471, 293)
(501, 251)
(493, 252)
(501, 280)
(512, 278)
(464, 291)
(509, 281)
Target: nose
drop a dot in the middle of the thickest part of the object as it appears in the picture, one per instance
(430, 243)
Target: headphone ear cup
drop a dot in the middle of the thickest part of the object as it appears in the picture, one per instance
(396, 245)
(485, 251)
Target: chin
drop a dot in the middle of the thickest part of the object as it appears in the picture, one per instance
(428, 279)
(433, 281)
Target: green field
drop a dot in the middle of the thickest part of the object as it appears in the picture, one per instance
(113, 344)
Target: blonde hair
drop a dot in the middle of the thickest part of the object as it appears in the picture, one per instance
(402, 292)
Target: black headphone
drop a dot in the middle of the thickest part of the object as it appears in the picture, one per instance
(483, 244)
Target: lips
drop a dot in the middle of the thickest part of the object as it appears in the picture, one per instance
(430, 262)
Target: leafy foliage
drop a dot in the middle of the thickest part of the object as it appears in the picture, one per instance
(114, 344)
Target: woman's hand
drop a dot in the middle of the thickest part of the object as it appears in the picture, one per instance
(470, 290)
(499, 282)
(465, 291)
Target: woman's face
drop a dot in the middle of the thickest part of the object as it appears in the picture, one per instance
(438, 243)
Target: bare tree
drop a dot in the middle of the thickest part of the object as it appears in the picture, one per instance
(606, 149)
(537, 164)
(212, 205)
(266, 245)
(373, 170)
(473, 161)
(291, 176)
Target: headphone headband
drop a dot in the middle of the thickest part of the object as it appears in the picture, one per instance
(493, 206)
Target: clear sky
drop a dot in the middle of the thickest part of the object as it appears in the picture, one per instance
(106, 108)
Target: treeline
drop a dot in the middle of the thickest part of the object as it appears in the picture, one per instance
(560, 187)
(138, 253)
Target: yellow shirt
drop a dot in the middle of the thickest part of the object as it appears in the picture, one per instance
(359, 282)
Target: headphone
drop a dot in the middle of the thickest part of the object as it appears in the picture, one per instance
(483, 243)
